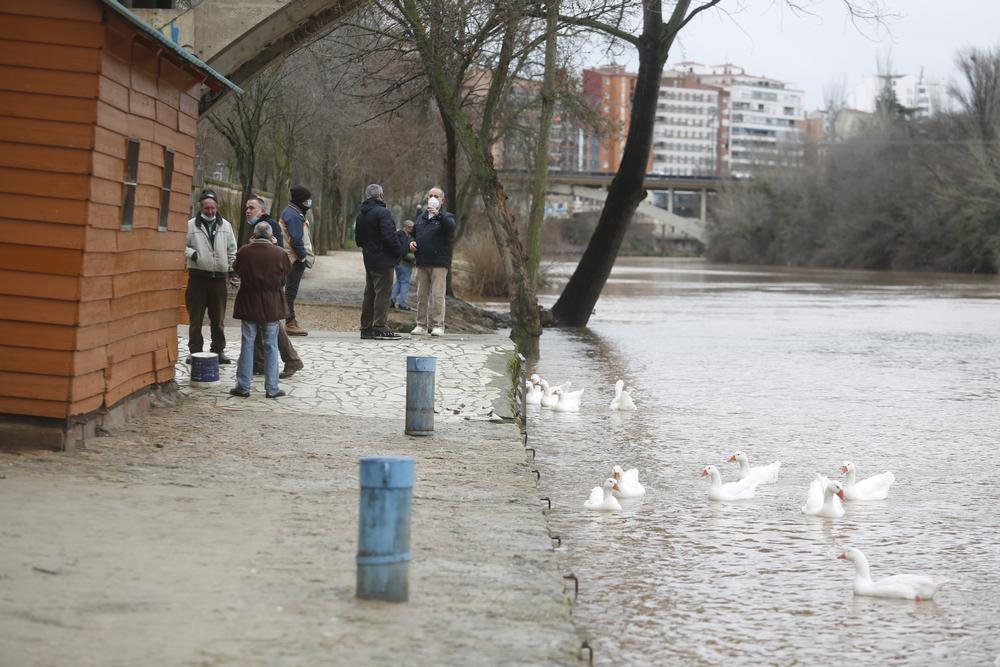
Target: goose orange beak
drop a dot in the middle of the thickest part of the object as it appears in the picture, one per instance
(616, 487)
(842, 556)
(840, 494)
(843, 469)
(732, 459)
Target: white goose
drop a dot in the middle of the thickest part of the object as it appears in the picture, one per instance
(875, 487)
(533, 392)
(741, 490)
(569, 401)
(622, 400)
(764, 474)
(602, 499)
(550, 395)
(906, 586)
(824, 499)
(628, 481)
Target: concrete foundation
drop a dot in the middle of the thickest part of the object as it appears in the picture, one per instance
(60, 435)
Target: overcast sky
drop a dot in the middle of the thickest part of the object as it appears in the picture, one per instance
(811, 51)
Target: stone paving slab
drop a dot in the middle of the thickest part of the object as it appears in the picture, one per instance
(347, 376)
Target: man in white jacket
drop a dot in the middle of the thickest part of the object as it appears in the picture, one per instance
(210, 251)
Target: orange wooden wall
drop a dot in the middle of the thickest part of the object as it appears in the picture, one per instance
(88, 311)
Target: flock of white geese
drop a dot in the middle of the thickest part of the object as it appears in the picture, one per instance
(825, 497)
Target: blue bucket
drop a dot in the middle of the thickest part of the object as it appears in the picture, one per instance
(204, 369)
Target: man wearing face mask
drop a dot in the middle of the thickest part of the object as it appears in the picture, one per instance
(298, 245)
(256, 211)
(433, 232)
(210, 252)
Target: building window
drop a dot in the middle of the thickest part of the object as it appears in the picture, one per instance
(131, 173)
(168, 179)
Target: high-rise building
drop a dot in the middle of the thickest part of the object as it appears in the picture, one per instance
(920, 96)
(686, 138)
(609, 89)
(763, 124)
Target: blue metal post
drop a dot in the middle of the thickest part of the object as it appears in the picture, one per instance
(420, 395)
(384, 528)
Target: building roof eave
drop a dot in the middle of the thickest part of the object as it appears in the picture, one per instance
(173, 48)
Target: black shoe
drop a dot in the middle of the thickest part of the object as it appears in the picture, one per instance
(223, 359)
(280, 392)
(385, 334)
(403, 308)
(367, 334)
(188, 361)
(235, 391)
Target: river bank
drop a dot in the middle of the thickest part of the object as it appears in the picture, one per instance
(218, 530)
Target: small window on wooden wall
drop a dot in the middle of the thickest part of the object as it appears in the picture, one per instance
(131, 173)
(168, 179)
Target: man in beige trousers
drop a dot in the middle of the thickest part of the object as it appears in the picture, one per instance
(433, 231)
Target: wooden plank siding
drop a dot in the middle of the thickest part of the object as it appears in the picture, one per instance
(88, 310)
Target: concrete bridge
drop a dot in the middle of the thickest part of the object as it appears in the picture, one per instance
(668, 223)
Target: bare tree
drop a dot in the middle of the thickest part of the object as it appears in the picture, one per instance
(241, 127)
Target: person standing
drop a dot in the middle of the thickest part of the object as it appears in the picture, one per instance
(433, 233)
(256, 211)
(404, 270)
(210, 252)
(375, 233)
(260, 305)
(298, 245)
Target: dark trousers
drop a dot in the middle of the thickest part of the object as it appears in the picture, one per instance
(292, 288)
(285, 349)
(375, 307)
(206, 294)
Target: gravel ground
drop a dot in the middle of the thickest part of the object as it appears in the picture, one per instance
(199, 535)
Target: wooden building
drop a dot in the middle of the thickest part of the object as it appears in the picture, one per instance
(98, 116)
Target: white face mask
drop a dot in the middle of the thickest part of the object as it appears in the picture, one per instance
(434, 203)
(207, 219)
(308, 203)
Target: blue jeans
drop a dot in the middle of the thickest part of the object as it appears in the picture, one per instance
(244, 367)
(402, 287)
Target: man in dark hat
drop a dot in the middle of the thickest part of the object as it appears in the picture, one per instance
(298, 245)
(210, 252)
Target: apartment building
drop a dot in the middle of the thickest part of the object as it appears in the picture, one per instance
(686, 135)
(921, 96)
(763, 126)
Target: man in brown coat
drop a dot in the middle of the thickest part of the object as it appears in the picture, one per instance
(260, 304)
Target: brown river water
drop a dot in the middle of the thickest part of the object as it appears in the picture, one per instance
(895, 372)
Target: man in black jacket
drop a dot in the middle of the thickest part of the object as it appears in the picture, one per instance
(375, 234)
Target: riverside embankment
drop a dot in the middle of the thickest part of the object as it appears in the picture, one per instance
(217, 530)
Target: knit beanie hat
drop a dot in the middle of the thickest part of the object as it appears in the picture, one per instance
(208, 194)
(299, 194)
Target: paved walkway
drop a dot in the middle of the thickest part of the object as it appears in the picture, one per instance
(217, 531)
(348, 376)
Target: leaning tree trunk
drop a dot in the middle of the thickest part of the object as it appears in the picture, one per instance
(577, 301)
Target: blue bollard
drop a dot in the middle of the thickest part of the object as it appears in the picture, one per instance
(384, 528)
(420, 395)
